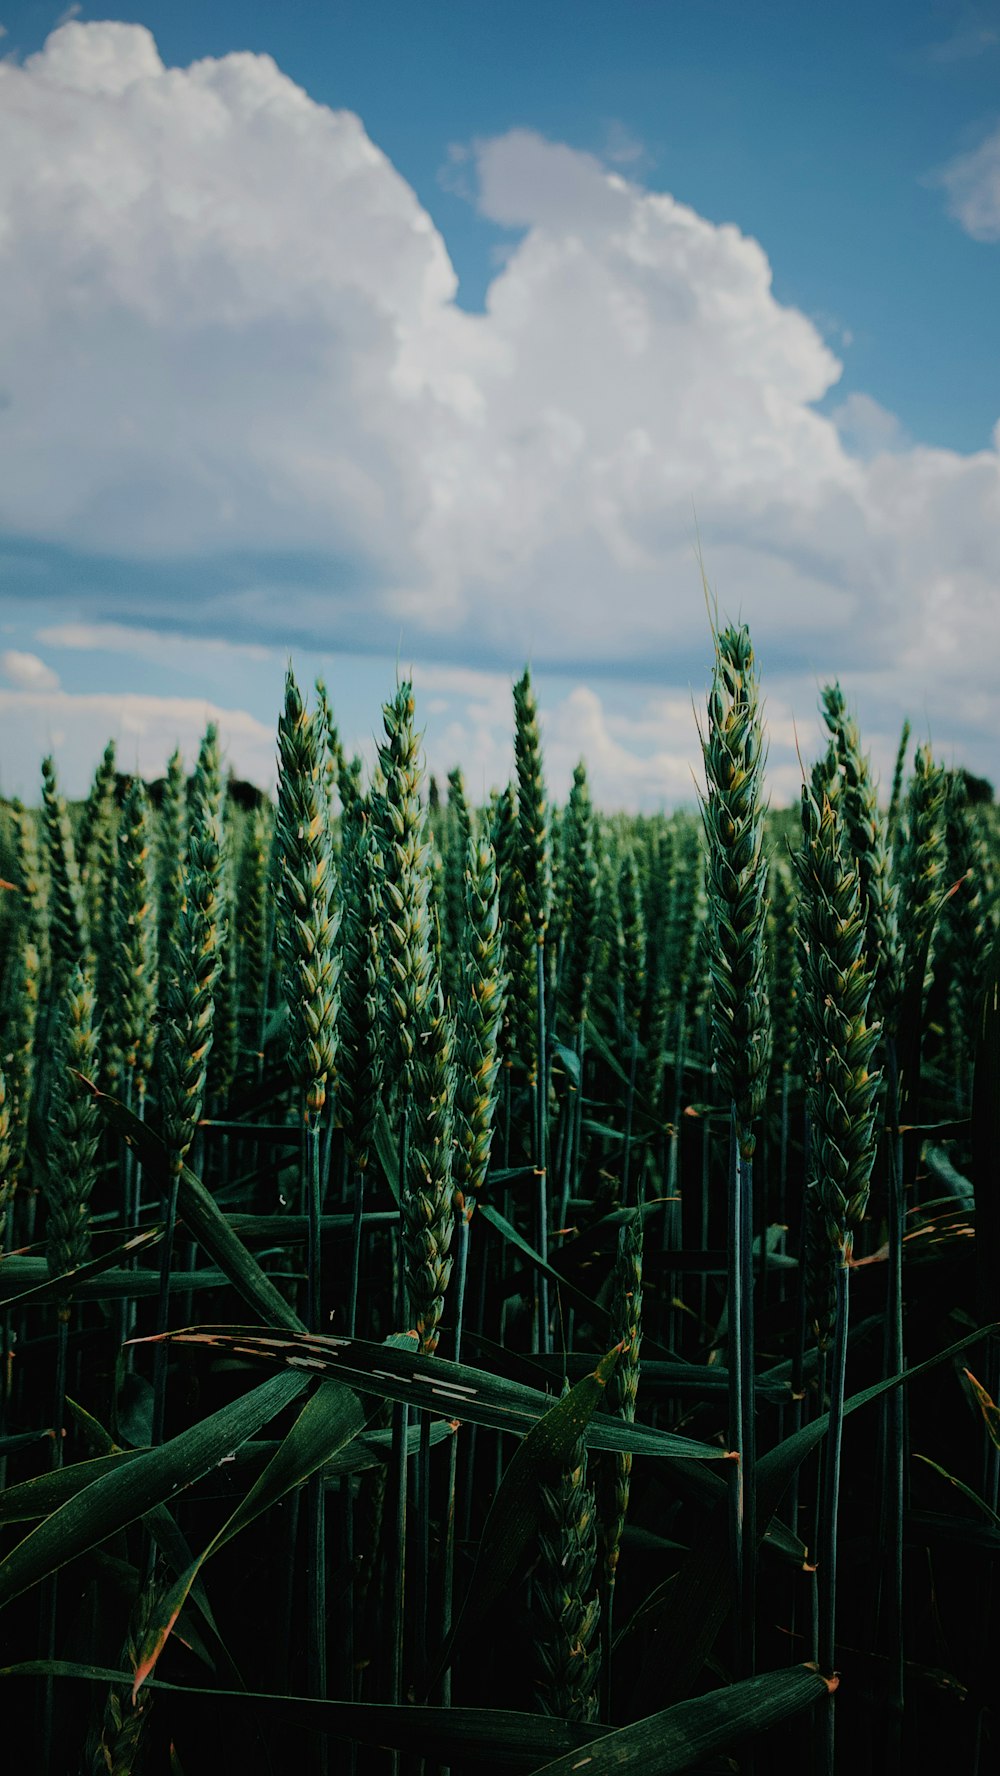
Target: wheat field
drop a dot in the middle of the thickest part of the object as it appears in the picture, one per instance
(505, 1287)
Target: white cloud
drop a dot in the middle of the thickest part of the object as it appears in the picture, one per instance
(642, 750)
(27, 671)
(228, 325)
(866, 426)
(148, 644)
(146, 729)
(972, 185)
(640, 745)
(637, 760)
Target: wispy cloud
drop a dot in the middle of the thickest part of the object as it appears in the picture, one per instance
(456, 174)
(974, 38)
(146, 643)
(971, 183)
(622, 148)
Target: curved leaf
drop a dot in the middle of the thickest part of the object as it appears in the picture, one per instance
(510, 1233)
(463, 1393)
(498, 1738)
(44, 1493)
(39, 1285)
(128, 1491)
(111, 1285)
(21, 1440)
(967, 1491)
(681, 1736)
(329, 1420)
(988, 1408)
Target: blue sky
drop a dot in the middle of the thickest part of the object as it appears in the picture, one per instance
(831, 255)
(812, 128)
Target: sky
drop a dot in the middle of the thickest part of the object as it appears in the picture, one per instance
(433, 340)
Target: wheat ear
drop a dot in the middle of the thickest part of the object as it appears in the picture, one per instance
(67, 921)
(566, 1607)
(135, 950)
(736, 871)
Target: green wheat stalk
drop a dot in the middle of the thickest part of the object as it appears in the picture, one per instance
(307, 936)
(632, 991)
(899, 771)
(68, 933)
(171, 856)
(224, 1061)
(615, 1470)
(96, 851)
(254, 927)
(736, 871)
(406, 883)
(73, 1133)
(965, 932)
(186, 1035)
(922, 859)
(839, 985)
(868, 836)
(535, 857)
(133, 1010)
(360, 1045)
(23, 989)
(32, 879)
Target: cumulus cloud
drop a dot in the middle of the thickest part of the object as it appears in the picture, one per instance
(146, 729)
(27, 671)
(642, 751)
(229, 325)
(972, 186)
(636, 761)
